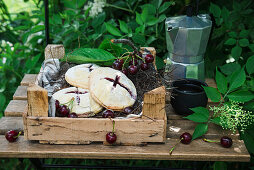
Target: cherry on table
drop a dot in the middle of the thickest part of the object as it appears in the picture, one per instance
(124, 71)
(133, 63)
(118, 64)
(226, 142)
(186, 138)
(108, 114)
(12, 135)
(111, 137)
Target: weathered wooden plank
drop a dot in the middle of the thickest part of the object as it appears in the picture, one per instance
(37, 98)
(198, 150)
(16, 108)
(154, 103)
(20, 93)
(174, 128)
(93, 129)
(54, 51)
(10, 123)
(28, 79)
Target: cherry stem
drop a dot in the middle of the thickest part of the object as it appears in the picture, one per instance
(125, 41)
(18, 135)
(211, 141)
(113, 126)
(140, 57)
(171, 150)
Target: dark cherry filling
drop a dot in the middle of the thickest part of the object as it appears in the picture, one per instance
(77, 92)
(116, 81)
(90, 68)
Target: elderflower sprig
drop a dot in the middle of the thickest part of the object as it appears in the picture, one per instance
(232, 116)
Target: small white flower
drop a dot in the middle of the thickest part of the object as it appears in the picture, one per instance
(96, 7)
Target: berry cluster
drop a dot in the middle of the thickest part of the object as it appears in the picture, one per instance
(63, 110)
(132, 62)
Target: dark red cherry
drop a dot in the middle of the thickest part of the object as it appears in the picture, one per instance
(149, 58)
(72, 115)
(124, 71)
(57, 103)
(128, 110)
(133, 69)
(111, 137)
(64, 111)
(226, 142)
(186, 138)
(12, 135)
(144, 66)
(117, 65)
(108, 114)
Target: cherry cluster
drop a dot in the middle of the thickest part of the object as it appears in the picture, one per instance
(133, 62)
(63, 110)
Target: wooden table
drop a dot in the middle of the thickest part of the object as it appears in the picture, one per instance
(198, 150)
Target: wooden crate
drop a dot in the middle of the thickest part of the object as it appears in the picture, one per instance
(57, 130)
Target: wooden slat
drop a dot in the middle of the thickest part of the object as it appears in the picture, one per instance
(16, 108)
(129, 131)
(174, 128)
(198, 150)
(21, 93)
(10, 123)
(28, 79)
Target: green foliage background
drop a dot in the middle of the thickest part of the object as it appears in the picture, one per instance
(22, 40)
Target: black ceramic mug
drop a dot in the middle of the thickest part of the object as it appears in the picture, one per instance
(186, 94)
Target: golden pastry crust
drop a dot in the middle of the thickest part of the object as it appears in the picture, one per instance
(111, 88)
(83, 103)
(78, 76)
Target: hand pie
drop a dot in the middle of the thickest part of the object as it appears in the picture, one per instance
(111, 88)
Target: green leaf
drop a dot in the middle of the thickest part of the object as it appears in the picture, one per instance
(37, 28)
(200, 115)
(165, 6)
(159, 62)
(229, 68)
(236, 52)
(241, 96)
(216, 120)
(224, 14)
(22, 27)
(244, 34)
(221, 82)
(238, 78)
(57, 19)
(215, 10)
(144, 14)
(113, 30)
(139, 19)
(123, 27)
(248, 139)
(139, 39)
(212, 93)
(250, 65)
(98, 20)
(162, 18)
(152, 21)
(3, 101)
(89, 55)
(251, 46)
(244, 42)
(200, 130)
(230, 41)
(151, 8)
(232, 34)
(107, 45)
